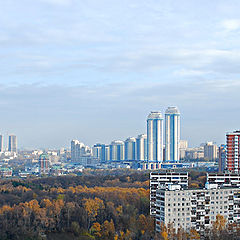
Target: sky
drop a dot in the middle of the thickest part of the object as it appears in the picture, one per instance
(93, 70)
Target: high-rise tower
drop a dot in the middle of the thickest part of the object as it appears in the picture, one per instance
(12, 143)
(117, 151)
(1, 143)
(130, 148)
(141, 147)
(44, 167)
(155, 137)
(233, 152)
(172, 134)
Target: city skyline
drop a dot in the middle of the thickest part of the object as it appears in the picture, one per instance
(63, 60)
(5, 142)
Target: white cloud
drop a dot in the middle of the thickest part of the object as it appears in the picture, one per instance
(58, 2)
(231, 24)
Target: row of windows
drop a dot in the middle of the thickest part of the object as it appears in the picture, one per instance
(179, 204)
(179, 209)
(179, 214)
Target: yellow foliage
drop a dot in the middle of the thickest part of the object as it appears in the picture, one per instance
(5, 208)
(119, 210)
(220, 223)
(164, 235)
(92, 206)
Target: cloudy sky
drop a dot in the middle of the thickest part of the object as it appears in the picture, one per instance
(93, 69)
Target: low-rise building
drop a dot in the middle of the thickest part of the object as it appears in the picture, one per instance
(5, 172)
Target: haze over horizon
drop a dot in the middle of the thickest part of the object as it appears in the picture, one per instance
(93, 70)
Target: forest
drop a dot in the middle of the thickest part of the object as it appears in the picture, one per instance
(96, 205)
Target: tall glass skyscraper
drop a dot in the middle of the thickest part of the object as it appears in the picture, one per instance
(117, 151)
(141, 147)
(12, 143)
(172, 134)
(155, 137)
(1, 143)
(130, 148)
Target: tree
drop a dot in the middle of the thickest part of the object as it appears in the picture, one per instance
(194, 235)
(92, 206)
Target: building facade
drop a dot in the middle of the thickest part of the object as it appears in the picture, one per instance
(210, 151)
(196, 208)
(117, 152)
(97, 151)
(172, 134)
(44, 164)
(77, 149)
(222, 154)
(163, 179)
(183, 146)
(233, 152)
(12, 143)
(224, 179)
(130, 149)
(155, 137)
(141, 147)
(1, 143)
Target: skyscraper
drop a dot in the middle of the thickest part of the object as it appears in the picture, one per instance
(172, 134)
(222, 158)
(12, 143)
(233, 152)
(1, 143)
(78, 149)
(44, 167)
(141, 147)
(117, 151)
(130, 148)
(97, 151)
(210, 151)
(155, 137)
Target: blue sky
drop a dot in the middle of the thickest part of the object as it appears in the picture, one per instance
(93, 70)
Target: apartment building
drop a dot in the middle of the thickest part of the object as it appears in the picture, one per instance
(196, 208)
(224, 179)
(163, 180)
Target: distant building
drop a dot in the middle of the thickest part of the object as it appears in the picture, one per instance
(233, 152)
(155, 137)
(5, 172)
(97, 151)
(130, 148)
(141, 147)
(183, 146)
(210, 151)
(79, 150)
(12, 143)
(1, 143)
(222, 158)
(106, 153)
(44, 164)
(117, 151)
(194, 153)
(172, 134)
